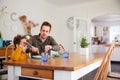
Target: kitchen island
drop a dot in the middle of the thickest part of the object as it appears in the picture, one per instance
(101, 49)
(116, 53)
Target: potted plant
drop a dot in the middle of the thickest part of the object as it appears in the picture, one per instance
(1, 40)
(84, 46)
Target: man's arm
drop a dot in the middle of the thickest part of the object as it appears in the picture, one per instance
(55, 46)
(32, 48)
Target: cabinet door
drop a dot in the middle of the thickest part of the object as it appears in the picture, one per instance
(79, 30)
(116, 54)
(101, 49)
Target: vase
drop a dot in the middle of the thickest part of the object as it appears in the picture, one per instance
(1, 42)
(84, 51)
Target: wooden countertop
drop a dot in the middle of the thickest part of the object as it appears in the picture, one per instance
(116, 45)
(74, 62)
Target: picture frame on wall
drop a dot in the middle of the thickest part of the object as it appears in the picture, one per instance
(105, 29)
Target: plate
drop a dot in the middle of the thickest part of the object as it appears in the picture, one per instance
(36, 57)
(56, 55)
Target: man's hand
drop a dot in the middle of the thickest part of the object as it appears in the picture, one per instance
(47, 48)
(35, 49)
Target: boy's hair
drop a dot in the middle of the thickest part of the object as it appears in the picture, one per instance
(17, 40)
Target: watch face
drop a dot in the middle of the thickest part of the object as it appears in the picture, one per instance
(70, 23)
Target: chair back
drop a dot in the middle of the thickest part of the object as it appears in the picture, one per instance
(103, 69)
(7, 53)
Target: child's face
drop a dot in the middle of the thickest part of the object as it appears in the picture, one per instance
(23, 44)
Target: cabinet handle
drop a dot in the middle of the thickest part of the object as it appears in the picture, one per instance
(35, 73)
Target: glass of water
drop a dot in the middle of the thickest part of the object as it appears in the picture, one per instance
(44, 57)
(66, 54)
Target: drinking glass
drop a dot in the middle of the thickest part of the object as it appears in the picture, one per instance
(66, 54)
(44, 57)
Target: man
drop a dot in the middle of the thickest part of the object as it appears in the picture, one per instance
(43, 41)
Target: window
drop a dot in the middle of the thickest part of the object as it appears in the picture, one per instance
(115, 34)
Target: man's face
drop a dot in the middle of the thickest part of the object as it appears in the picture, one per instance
(45, 31)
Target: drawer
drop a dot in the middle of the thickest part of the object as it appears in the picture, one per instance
(38, 73)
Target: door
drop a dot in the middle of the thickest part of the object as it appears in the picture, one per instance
(79, 30)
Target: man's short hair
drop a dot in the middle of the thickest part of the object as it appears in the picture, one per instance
(45, 23)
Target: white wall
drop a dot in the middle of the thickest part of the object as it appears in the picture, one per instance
(36, 10)
(39, 10)
(85, 11)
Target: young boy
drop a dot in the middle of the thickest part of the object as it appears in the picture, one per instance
(19, 53)
(20, 43)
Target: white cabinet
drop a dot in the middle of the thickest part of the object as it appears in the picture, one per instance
(116, 54)
(102, 49)
(98, 49)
